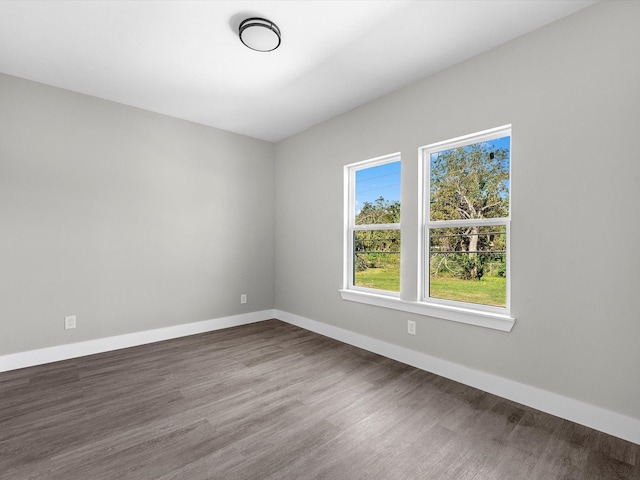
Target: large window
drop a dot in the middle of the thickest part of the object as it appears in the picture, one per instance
(373, 233)
(456, 231)
(466, 221)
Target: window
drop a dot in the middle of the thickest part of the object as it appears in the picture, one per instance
(466, 221)
(456, 263)
(373, 225)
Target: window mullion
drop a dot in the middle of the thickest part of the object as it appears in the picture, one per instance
(377, 226)
(467, 223)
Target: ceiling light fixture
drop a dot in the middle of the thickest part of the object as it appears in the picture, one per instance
(259, 34)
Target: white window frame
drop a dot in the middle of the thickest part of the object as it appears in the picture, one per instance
(414, 301)
(428, 224)
(350, 222)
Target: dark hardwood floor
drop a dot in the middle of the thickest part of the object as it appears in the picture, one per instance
(272, 401)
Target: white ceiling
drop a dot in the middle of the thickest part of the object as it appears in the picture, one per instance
(184, 58)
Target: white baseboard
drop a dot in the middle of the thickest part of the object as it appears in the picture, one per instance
(591, 416)
(598, 418)
(73, 350)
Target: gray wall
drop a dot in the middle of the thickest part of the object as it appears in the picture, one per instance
(128, 219)
(572, 93)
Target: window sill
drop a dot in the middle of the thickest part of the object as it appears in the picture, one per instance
(479, 318)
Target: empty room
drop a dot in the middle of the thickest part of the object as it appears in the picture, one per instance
(359, 239)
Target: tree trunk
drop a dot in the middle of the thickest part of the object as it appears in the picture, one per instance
(473, 248)
(473, 241)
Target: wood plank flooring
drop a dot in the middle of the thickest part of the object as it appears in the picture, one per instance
(271, 401)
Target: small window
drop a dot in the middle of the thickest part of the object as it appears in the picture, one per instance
(467, 219)
(373, 225)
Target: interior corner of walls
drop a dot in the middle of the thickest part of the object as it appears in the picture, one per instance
(57, 353)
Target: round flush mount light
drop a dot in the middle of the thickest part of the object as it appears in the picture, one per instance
(259, 34)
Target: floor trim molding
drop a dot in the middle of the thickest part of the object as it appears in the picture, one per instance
(607, 421)
(41, 356)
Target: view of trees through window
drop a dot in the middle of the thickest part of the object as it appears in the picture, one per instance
(469, 205)
(376, 238)
(466, 230)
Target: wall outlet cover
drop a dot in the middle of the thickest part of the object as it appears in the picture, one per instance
(411, 327)
(69, 322)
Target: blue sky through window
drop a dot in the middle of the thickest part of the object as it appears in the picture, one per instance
(375, 182)
(502, 142)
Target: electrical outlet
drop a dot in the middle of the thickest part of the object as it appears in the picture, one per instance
(69, 322)
(243, 298)
(411, 327)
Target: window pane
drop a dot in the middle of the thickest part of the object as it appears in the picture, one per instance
(468, 264)
(377, 194)
(377, 259)
(471, 181)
